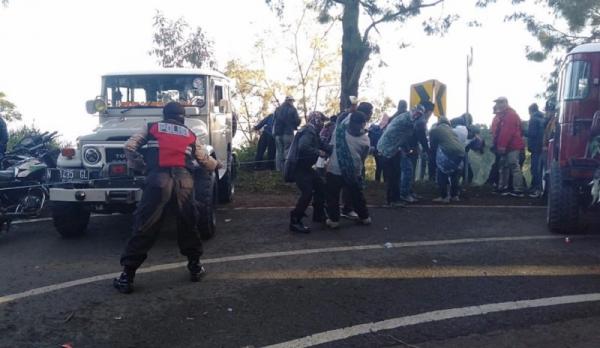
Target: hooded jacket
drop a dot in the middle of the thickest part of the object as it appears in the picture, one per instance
(286, 120)
(398, 133)
(507, 133)
(442, 136)
(535, 132)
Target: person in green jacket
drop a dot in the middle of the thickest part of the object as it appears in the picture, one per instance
(450, 155)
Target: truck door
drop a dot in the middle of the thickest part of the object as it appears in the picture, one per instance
(220, 129)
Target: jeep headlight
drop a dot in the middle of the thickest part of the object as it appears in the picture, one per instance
(92, 155)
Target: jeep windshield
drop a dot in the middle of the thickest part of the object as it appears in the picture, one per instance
(153, 91)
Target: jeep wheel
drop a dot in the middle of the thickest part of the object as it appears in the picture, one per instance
(70, 219)
(226, 183)
(563, 204)
(206, 199)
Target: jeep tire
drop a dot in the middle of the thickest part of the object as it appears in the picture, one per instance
(70, 219)
(226, 183)
(205, 186)
(563, 203)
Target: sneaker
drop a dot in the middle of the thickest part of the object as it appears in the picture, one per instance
(535, 194)
(408, 199)
(397, 205)
(455, 199)
(444, 200)
(196, 269)
(332, 224)
(365, 222)
(500, 191)
(516, 194)
(416, 196)
(124, 284)
(350, 215)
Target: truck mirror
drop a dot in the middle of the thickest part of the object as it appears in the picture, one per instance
(89, 107)
(596, 124)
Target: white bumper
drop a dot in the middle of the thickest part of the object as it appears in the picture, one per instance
(100, 195)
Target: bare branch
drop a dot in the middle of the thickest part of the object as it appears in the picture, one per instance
(391, 16)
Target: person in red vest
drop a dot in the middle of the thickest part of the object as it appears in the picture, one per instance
(508, 143)
(172, 153)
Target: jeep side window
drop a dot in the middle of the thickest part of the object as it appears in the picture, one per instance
(576, 80)
(218, 96)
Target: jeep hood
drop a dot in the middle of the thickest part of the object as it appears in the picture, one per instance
(121, 128)
(118, 128)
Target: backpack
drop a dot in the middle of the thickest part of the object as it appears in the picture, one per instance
(291, 159)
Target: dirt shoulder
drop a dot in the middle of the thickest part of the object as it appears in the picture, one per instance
(267, 189)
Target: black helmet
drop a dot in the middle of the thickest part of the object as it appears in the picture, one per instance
(550, 105)
(175, 111)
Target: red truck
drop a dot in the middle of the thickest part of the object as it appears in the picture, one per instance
(571, 161)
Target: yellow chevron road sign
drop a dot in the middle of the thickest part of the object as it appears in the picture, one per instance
(431, 90)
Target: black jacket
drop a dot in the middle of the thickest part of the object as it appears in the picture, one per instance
(535, 133)
(309, 145)
(286, 120)
(3, 136)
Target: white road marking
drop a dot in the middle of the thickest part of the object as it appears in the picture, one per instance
(417, 206)
(433, 316)
(19, 222)
(169, 266)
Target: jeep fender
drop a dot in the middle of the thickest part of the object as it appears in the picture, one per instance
(73, 162)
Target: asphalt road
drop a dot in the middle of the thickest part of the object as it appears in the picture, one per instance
(423, 276)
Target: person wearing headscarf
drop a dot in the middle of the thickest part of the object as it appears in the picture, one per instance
(350, 149)
(450, 156)
(310, 184)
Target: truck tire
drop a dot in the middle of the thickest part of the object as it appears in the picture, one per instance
(563, 204)
(70, 219)
(205, 186)
(227, 182)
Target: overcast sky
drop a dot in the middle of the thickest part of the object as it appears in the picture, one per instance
(53, 53)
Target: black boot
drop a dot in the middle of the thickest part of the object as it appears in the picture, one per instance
(297, 226)
(196, 269)
(319, 216)
(125, 281)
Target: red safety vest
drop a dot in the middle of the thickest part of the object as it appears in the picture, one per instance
(170, 145)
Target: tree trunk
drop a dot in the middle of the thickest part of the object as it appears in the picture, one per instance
(355, 53)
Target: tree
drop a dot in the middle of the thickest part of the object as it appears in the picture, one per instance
(582, 25)
(8, 110)
(251, 96)
(357, 46)
(313, 62)
(176, 46)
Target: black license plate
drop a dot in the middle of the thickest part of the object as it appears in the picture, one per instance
(66, 175)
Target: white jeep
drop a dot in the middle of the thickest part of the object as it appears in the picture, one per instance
(94, 177)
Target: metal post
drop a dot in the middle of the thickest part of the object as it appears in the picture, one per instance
(466, 164)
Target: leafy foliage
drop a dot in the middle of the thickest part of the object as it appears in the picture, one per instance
(358, 46)
(582, 19)
(252, 96)
(177, 45)
(8, 110)
(14, 136)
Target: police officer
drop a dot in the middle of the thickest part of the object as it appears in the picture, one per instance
(172, 149)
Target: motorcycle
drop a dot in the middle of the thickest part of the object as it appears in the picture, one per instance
(22, 173)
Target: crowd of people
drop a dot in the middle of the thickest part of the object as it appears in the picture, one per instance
(326, 157)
